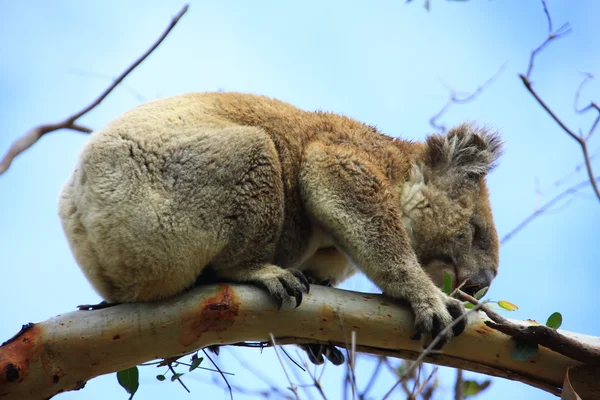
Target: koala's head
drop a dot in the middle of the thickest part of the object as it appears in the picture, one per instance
(446, 209)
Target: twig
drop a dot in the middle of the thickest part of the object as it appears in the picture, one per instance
(34, 134)
(292, 360)
(564, 30)
(374, 375)
(538, 334)
(220, 372)
(591, 106)
(417, 380)
(433, 343)
(458, 385)
(292, 386)
(577, 138)
(457, 97)
(204, 368)
(316, 382)
(423, 385)
(177, 378)
(544, 208)
(272, 386)
(552, 35)
(352, 362)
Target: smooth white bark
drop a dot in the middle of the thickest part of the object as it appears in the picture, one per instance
(64, 352)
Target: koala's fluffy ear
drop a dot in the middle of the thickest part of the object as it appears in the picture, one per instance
(465, 150)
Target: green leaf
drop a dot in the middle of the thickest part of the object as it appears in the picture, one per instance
(507, 305)
(480, 293)
(196, 363)
(176, 376)
(469, 305)
(447, 283)
(554, 320)
(129, 379)
(472, 388)
(160, 377)
(524, 351)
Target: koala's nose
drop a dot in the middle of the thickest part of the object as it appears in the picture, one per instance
(478, 281)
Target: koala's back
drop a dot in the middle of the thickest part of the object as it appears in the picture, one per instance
(180, 183)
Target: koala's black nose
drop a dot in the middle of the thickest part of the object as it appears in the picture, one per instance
(478, 281)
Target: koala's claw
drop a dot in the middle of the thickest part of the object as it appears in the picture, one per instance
(316, 352)
(456, 310)
(90, 307)
(301, 278)
(435, 319)
(291, 283)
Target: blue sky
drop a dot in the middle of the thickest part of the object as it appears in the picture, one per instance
(385, 63)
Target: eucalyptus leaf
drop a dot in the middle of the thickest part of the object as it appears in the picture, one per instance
(481, 292)
(129, 379)
(507, 305)
(176, 376)
(196, 363)
(472, 388)
(554, 320)
(447, 283)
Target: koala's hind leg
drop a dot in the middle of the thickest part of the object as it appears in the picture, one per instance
(277, 281)
(253, 214)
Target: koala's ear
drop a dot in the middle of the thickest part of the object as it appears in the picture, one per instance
(465, 150)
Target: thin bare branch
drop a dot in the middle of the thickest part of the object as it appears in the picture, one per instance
(457, 97)
(538, 334)
(316, 382)
(544, 208)
(458, 385)
(431, 346)
(352, 362)
(220, 372)
(564, 30)
(34, 134)
(178, 378)
(374, 375)
(293, 387)
(580, 139)
(424, 384)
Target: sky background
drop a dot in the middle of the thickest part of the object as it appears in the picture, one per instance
(385, 63)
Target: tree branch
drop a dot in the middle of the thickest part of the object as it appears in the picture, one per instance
(571, 190)
(580, 139)
(34, 134)
(64, 352)
(457, 97)
(539, 334)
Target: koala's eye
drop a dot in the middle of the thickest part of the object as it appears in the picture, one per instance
(477, 235)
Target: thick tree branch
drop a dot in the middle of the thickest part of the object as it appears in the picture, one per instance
(34, 134)
(64, 352)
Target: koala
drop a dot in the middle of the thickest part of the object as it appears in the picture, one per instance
(258, 191)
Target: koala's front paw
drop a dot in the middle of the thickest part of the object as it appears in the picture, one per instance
(435, 314)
